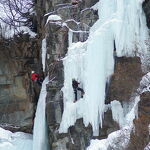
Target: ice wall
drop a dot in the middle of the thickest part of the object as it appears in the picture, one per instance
(122, 23)
(40, 137)
(118, 139)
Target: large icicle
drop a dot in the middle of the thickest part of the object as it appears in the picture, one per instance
(40, 137)
(118, 139)
(91, 63)
(44, 50)
(117, 113)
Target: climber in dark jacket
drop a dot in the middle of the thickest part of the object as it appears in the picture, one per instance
(75, 88)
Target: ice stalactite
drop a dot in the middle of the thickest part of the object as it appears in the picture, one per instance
(118, 139)
(117, 113)
(44, 50)
(15, 141)
(40, 137)
(92, 62)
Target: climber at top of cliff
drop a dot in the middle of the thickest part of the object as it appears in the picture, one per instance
(35, 77)
(75, 85)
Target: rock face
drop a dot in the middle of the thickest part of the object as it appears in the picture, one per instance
(18, 94)
(17, 58)
(124, 82)
(146, 6)
(125, 79)
(74, 20)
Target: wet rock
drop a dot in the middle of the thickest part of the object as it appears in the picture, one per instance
(125, 79)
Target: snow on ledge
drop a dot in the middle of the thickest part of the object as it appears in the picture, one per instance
(9, 31)
(116, 140)
(53, 18)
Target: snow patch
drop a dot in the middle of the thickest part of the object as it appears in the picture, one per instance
(15, 141)
(116, 140)
(53, 18)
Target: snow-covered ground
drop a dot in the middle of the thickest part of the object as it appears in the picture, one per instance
(15, 141)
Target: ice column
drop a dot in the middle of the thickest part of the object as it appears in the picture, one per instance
(40, 137)
(44, 50)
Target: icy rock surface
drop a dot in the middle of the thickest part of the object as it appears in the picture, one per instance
(144, 83)
(118, 139)
(122, 23)
(40, 137)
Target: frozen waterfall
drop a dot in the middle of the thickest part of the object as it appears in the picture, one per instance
(40, 137)
(121, 23)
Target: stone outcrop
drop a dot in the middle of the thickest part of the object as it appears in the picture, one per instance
(146, 6)
(18, 57)
(125, 79)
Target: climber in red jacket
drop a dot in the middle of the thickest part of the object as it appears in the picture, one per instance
(35, 77)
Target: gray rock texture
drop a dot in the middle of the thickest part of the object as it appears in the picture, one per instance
(18, 95)
(78, 18)
(125, 79)
(17, 58)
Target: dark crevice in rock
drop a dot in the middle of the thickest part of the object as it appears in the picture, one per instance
(146, 6)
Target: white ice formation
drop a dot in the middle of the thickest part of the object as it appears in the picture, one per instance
(121, 30)
(40, 135)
